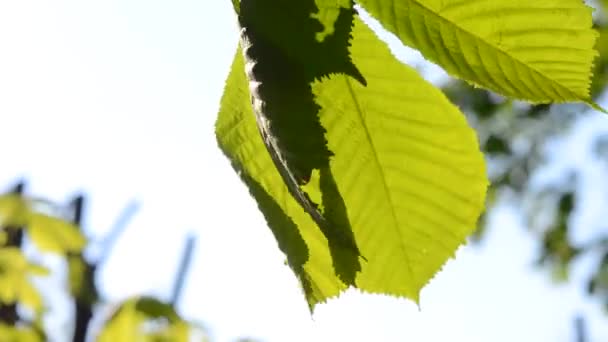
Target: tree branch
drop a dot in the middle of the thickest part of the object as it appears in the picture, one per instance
(86, 295)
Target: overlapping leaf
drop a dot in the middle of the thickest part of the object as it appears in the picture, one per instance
(541, 51)
(20, 333)
(296, 233)
(406, 164)
(283, 56)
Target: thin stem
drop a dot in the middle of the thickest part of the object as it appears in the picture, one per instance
(183, 269)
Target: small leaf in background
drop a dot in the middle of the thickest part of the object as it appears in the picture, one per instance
(128, 322)
(13, 267)
(496, 145)
(15, 285)
(14, 211)
(19, 334)
(123, 326)
(284, 106)
(38, 270)
(51, 234)
(30, 297)
(154, 308)
(557, 248)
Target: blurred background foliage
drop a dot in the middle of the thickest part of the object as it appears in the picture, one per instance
(32, 229)
(523, 145)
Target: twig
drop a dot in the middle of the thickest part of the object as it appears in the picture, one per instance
(580, 329)
(117, 229)
(183, 269)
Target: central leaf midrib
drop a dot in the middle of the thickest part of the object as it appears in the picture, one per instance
(492, 46)
(382, 176)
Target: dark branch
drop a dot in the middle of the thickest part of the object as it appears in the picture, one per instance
(86, 294)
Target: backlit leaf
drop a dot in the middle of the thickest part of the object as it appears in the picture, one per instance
(13, 267)
(15, 285)
(127, 323)
(294, 229)
(540, 51)
(19, 334)
(30, 297)
(51, 234)
(283, 57)
(14, 211)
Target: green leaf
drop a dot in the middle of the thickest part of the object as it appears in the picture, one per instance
(51, 234)
(282, 58)
(406, 164)
(540, 51)
(294, 229)
(19, 334)
(15, 285)
(30, 297)
(48, 233)
(123, 326)
(14, 211)
(13, 267)
(127, 322)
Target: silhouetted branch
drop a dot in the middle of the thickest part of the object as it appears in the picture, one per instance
(86, 294)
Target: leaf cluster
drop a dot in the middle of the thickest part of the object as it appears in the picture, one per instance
(367, 174)
(52, 228)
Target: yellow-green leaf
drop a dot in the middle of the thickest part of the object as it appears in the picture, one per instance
(30, 297)
(51, 234)
(127, 323)
(124, 326)
(14, 210)
(15, 285)
(540, 51)
(406, 163)
(13, 267)
(294, 229)
(19, 334)
(38, 270)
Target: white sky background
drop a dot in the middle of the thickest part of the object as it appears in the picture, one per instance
(118, 99)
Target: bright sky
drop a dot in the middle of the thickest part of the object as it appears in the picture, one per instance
(118, 99)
